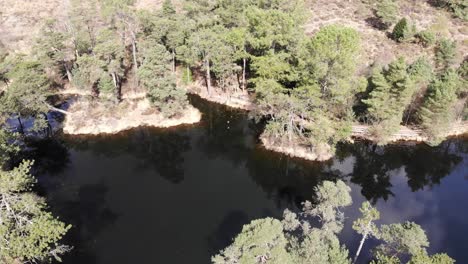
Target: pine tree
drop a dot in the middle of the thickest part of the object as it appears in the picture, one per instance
(365, 225)
(403, 31)
(387, 12)
(31, 233)
(437, 113)
(157, 77)
(446, 52)
(392, 90)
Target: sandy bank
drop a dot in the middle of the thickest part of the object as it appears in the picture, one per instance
(409, 134)
(238, 99)
(92, 118)
(321, 153)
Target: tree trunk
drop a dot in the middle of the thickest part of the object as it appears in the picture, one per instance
(364, 237)
(208, 76)
(135, 62)
(57, 110)
(95, 90)
(173, 61)
(188, 74)
(49, 127)
(243, 73)
(69, 74)
(118, 87)
(21, 125)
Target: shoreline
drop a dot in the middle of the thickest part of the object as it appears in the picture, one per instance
(297, 151)
(95, 118)
(138, 113)
(242, 100)
(239, 100)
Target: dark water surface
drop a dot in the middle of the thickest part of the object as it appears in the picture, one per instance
(179, 195)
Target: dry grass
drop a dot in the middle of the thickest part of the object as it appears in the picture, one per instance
(21, 20)
(377, 47)
(320, 153)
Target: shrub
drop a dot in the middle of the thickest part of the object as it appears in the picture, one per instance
(459, 8)
(387, 12)
(421, 70)
(426, 38)
(403, 31)
(446, 52)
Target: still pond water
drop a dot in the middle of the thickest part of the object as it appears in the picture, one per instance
(179, 195)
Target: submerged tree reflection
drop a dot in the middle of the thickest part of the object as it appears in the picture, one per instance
(160, 149)
(424, 166)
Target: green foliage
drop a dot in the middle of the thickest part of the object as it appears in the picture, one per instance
(463, 73)
(8, 146)
(106, 84)
(168, 8)
(51, 46)
(365, 225)
(156, 76)
(87, 72)
(28, 92)
(392, 90)
(403, 31)
(260, 241)
(421, 70)
(330, 198)
(446, 52)
(458, 7)
(315, 111)
(387, 12)
(407, 238)
(31, 233)
(331, 59)
(426, 37)
(295, 240)
(423, 258)
(437, 112)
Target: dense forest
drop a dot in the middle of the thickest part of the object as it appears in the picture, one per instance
(308, 90)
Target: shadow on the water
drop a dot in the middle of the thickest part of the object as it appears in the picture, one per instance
(225, 133)
(88, 214)
(50, 155)
(424, 166)
(230, 226)
(160, 149)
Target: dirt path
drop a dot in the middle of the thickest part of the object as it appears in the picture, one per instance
(409, 134)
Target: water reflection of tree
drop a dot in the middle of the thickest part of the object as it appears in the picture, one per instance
(230, 226)
(224, 132)
(423, 165)
(291, 180)
(286, 180)
(86, 210)
(159, 149)
(50, 155)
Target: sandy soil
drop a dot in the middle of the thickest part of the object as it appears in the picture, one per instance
(238, 99)
(298, 151)
(409, 134)
(92, 118)
(376, 46)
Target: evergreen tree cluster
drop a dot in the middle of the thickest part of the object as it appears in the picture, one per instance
(298, 239)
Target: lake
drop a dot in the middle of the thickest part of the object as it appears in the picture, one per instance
(179, 195)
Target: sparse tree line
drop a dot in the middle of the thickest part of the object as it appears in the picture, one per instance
(312, 236)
